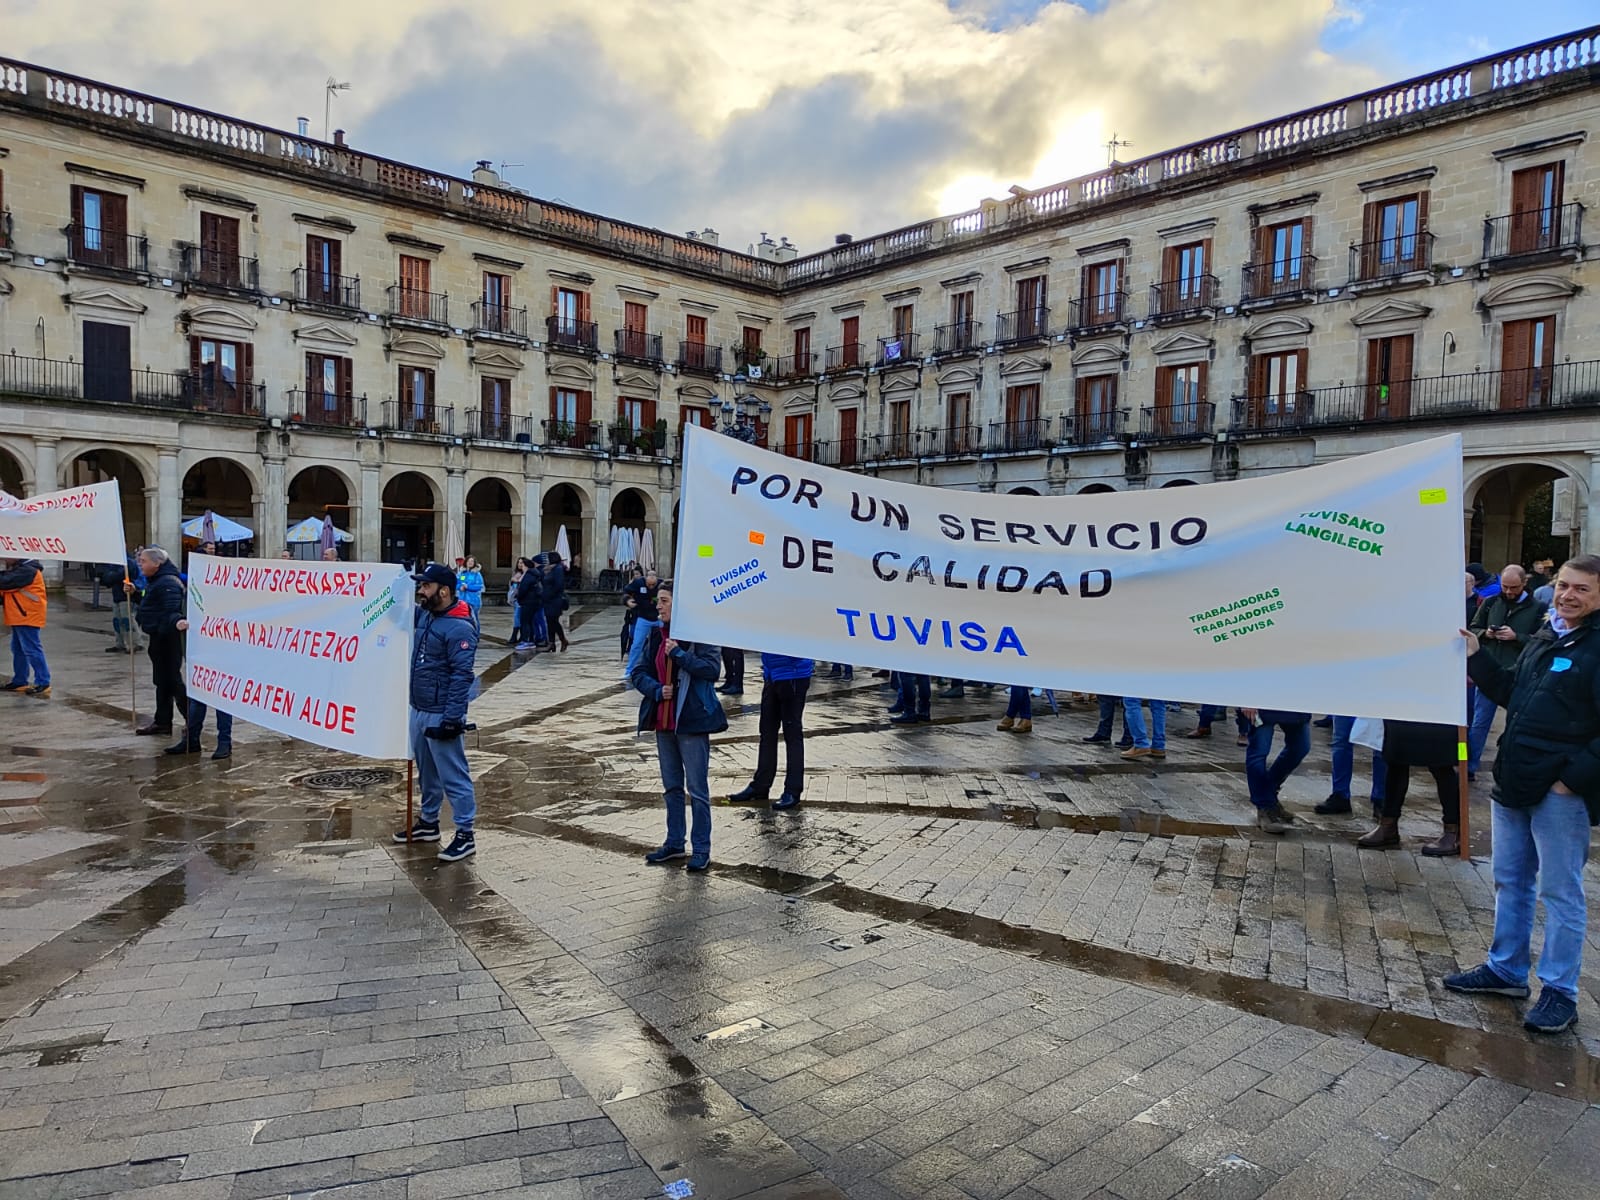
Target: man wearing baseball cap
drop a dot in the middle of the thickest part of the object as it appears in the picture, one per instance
(442, 668)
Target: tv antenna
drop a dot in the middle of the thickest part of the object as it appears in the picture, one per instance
(1112, 147)
(332, 86)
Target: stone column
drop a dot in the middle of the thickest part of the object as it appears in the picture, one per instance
(368, 518)
(454, 531)
(45, 480)
(152, 513)
(597, 532)
(532, 528)
(272, 511)
(168, 533)
(1589, 536)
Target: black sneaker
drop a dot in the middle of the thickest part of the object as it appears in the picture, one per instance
(421, 831)
(906, 718)
(463, 845)
(123, 650)
(1555, 1012)
(14, 686)
(1486, 981)
(1333, 805)
(1098, 737)
(665, 854)
(1125, 744)
(954, 693)
(223, 750)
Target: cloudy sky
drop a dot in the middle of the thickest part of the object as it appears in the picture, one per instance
(798, 117)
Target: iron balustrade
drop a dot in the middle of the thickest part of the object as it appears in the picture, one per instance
(842, 452)
(412, 304)
(639, 346)
(1024, 325)
(805, 451)
(796, 366)
(407, 416)
(321, 287)
(64, 379)
(899, 444)
(959, 337)
(209, 268)
(1391, 257)
(627, 438)
(846, 357)
(1559, 386)
(569, 333)
(1280, 277)
(499, 318)
(1028, 433)
(327, 409)
(1097, 310)
(699, 358)
(492, 425)
(1093, 427)
(571, 435)
(219, 395)
(1190, 296)
(90, 247)
(899, 350)
(1534, 231)
(952, 441)
(1178, 422)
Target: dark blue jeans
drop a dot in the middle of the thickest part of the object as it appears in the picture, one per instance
(915, 693)
(197, 724)
(1109, 707)
(1264, 780)
(1020, 704)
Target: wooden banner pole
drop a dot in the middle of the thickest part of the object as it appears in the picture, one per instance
(1465, 820)
(411, 767)
(133, 652)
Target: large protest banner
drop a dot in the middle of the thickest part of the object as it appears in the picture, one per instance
(1334, 588)
(83, 524)
(319, 651)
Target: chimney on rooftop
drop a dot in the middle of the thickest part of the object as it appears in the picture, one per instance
(709, 235)
(842, 239)
(338, 137)
(786, 251)
(304, 126)
(483, 172)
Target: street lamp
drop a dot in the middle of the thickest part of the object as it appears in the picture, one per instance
(332, 86)
(742, 418)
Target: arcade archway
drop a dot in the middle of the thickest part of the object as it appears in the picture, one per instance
(98, 466)
(491, 527)
(410, 518)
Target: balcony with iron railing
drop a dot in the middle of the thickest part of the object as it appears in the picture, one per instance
(209, 394)
(795, 366)
(429, 420)
(325, 290)
(896, 445)
(635, 345)
(1189, 422)
(1392, 259)
(804, 451)
(1557, 388)
(698, 358)
(1536, 235)
(1021, 434)
(958, 337)
(64, 379)
(410, 304)
(569, 333)
(899, 350)
(99, 250)
(1193, 296)
(850, 356)
(841, 452)
(327, 410)
(1096, 311)
(952, 441)
(1281, 279)
(1024, 325)
(624, 437)
(572, 435)
(499, 320)
(498, 425)
(1093, 427)
(203, 269)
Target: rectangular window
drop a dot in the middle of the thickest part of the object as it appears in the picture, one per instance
(1095, 409)
(797, 437)
(107, 363)
(416, 393)
(99, 228)
(1394, 236)
(1389, 371)
(898, 442)
(570, 417)
(751, 339)
(694, 414)
(635, 327)
(494, 409)
(1180, 398)
(1186, 279)
(1536, 208)
(1032, 320)
(324, 284)
(219, 249)
(329, 384)
(850, 342)
(495, 315)
(416, 277)
(1527, 361)
(221, 373)
(695, 355)
(1276, 384)
(849, 437)
(694, 330)
(1102, 293)
(961, 307)
(802, 351)
(1022, 424)
(904, 320)
(960, 436)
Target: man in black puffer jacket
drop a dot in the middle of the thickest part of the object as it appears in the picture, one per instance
(1546, 797)
(161, 617)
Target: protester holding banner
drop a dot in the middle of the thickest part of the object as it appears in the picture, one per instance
(1266, 781)
(24, 603)
(677, 681)
(1546, 798)
(443, 659)
(161, 617)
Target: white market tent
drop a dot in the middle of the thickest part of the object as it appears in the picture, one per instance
(222, 529)
(310, 530)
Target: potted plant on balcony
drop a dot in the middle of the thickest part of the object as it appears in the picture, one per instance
(658, 435)
(751, 359)
(562, 433)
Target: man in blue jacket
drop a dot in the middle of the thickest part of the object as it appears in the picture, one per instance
(783, 704)
(442, 669)
(680, 705)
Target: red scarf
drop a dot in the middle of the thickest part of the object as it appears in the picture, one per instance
(666, 710)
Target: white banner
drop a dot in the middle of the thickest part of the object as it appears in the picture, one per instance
(1334, 589)
(319, 651)
(83, 524)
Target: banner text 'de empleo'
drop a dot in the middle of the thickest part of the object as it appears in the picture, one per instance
(319, 651)
(81, 524)
(1334, 588)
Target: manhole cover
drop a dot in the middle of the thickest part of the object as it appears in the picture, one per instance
(352, 779)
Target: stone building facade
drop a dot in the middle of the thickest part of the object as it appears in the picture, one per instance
(224, 316)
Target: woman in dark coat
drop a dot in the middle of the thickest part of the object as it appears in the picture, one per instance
(555, 601)
(530, 604)
(1408, 744)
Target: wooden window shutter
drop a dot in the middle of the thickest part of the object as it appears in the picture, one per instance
(335, 266)
(1302, 366)
(114, 217)
(403, 390)
(585, 409)
(1517, 346)
(1164, 387)
(347, 384)
(247, 364)
(649, 419)
(1205, 377)
(313, 256)
(583, 307)
(427, 384)
(554, 408)
(486, 394)
(1400, 357)
(555, 301)
(1205, 258)
(1422, 218)
(1260, 375)
(194, 357)
(1371, 222)
(313, 372)
(1169, 264)
(228, 238)
(77, 205)
(1264, 244)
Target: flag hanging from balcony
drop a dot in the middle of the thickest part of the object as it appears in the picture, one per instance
(82, 524)
(1334, 588)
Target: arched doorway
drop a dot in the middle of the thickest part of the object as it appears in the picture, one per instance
(11, 474)
(410, 507)
(1096, 489)
(1022, 491)
(318, 492)
(630, 515)
(1178, 483)
(98, 466)
(219, 486)
(491, 533)
(1503, 502)
(563, 505)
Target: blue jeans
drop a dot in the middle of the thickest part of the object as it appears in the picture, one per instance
(915, 693)
(1020, 704)
(1266, 781)
(1540, 850)
(197, 724)
(1344, 761)
(1483, 710)
(27, 651)
(1153, 738)
(1108, 716)
(442, 771)
(685, 762)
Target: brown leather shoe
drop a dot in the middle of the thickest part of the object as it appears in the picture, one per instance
(1204, 731)
(1137, 752)
(1448, 845)
(153, 731)
(1384, 836)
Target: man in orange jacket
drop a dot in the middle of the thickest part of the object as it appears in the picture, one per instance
(22, 598)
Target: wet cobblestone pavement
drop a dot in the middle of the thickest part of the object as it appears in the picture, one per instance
(973, 964)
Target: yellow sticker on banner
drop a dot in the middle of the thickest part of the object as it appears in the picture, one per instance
(757, 538)
(1461, 751)
(1433, 495)
(706, 551)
